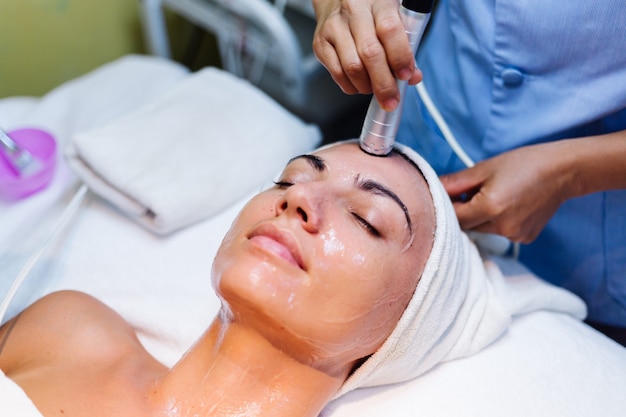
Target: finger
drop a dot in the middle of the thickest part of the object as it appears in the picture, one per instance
(416, 77)
(471, 214)
(471, 218)
(328, 57)
(486, 227)
(330, 42)
(392, 34)
(374, 58)
(520, 236)
(467, 181)
(353, 67)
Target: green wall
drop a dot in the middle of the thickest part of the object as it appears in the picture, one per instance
(44, 43)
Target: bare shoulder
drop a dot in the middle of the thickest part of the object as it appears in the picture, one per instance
(64, 326)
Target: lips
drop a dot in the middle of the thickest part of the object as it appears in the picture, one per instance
(273, 240)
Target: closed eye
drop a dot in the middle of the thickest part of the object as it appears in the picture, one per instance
(283, 184)
(367, 225)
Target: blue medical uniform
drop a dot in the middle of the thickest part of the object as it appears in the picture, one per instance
(508, 73)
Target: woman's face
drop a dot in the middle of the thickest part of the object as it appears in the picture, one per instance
(324, 263)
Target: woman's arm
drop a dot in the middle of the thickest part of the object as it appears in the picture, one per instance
(515, 194)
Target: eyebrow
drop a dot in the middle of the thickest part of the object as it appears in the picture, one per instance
(315, 162)
(377, 188)
(370, 186)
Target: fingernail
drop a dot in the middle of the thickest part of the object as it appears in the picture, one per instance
(390, 104)
(405, 74)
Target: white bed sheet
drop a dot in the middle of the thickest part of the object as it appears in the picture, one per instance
(546, 363)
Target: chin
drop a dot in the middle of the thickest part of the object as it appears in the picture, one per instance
(248, 284)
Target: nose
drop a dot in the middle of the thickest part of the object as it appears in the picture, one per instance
(304, 203)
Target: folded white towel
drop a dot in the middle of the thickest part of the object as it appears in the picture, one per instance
(170, 163)
(461, 304)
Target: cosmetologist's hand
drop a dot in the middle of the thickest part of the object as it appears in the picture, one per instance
(364, 47)
(515, 193)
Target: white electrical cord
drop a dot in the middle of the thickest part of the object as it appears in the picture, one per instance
(443, 126)
(494, 243)
(56, 230)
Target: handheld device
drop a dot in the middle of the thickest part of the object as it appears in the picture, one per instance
(380, 127)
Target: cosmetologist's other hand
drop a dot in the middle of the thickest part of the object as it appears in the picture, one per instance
(515, 193)
(364, 47)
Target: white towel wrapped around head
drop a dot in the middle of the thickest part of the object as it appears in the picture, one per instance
(461, 304)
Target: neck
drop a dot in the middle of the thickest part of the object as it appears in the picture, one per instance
(233, 371)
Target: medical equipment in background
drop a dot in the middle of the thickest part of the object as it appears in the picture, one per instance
(380, 127)
(267, 42)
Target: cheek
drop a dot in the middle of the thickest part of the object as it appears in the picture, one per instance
(257, 209)
(358, 300)
(347, 250)
(358, 259)
(370, 299)
(352, 324)
(352, 269)
(332, 245)
(374, 303)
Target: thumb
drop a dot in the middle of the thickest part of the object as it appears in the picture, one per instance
(460, 183)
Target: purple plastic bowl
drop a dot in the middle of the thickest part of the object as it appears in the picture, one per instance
(43, 147)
